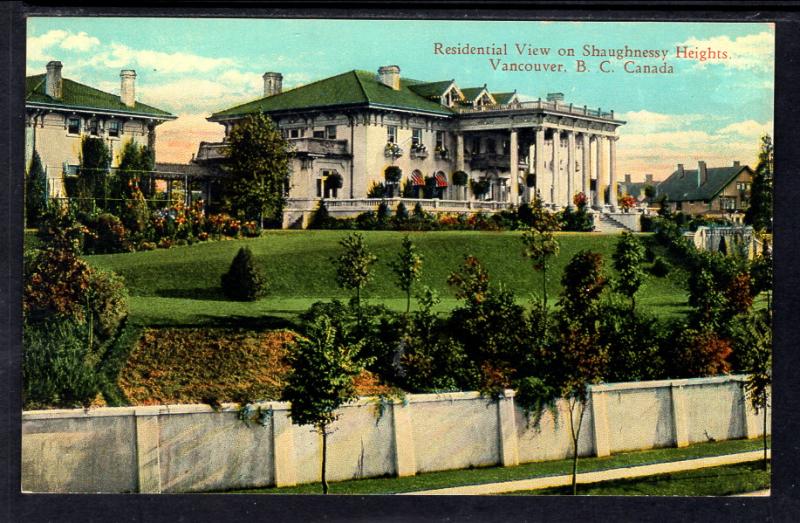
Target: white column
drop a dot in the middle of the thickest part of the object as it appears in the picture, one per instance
(460, 158)
(602, 440)
(514, 161)
(571, 158)
(148, 461)
(284, 459)
(586, 167)
(507, 425)
(555, 182)
(405, 460)
(600, 198)
(540, 177)
(612, 154)
(531, 169)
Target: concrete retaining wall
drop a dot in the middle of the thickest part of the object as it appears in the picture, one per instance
(186, 448)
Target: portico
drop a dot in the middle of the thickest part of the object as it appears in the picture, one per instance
(567, 149)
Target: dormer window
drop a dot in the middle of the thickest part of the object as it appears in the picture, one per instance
(451, 96)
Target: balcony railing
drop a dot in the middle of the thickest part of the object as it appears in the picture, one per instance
(319, 146)
(370, 204)
(480, 161)
(538, 105)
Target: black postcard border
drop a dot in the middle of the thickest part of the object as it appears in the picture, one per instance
(781, 506)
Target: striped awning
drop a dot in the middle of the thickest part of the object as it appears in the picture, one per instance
(417, 179)
(441, 181)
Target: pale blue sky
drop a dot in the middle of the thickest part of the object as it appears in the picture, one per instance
(711, 110)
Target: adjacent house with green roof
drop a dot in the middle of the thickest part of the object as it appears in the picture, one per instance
(708, 190)
(59, 112)
(348, 129)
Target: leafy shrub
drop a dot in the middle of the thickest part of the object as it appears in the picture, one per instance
(694, 353)
(401, 213)
(54, 368)
(661, 267)
(55, 284)
(35, 192)
(108, 236)
(150, 246)
(633, 341)
(107, 301)
(460, 178)
(377, 190)
(244, 280)
(321, 218)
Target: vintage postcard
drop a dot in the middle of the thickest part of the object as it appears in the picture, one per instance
(419, 257)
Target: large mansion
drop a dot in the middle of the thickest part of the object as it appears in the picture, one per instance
(59, 112)
(357, 124)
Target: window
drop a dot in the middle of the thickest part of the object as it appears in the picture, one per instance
(319, 134)
(296, 133)
(330, 132)
(113, 128)
(476, 145)
(74, 125)
(440, 140)
(93, 127)
(416, 137)
(491, 145)
(391, 133)
(319, 188)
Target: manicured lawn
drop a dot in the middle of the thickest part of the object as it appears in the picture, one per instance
(180, 286)
(713, 481)
(453, 478)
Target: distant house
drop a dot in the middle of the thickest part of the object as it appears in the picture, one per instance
(59, 112)
(708, 190)
(636, 189)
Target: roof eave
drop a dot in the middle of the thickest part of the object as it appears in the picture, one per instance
(370, 105)
(113, 112)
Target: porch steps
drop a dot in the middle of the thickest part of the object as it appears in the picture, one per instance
(607, 225)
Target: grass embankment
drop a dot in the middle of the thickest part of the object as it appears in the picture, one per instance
(454, 478)
(712, 481)
(180, 286)
(169, 366)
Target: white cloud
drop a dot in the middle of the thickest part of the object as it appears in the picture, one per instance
(748, 52)
(79, 42)
(37, 45)
(748, 128)
(121, 56)
(647, 121)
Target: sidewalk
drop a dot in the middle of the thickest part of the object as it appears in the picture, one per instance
(594, 477)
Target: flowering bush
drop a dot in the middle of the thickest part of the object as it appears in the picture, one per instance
(627, 202)
(251, 229)
(580, 200)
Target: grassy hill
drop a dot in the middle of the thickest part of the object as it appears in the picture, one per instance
(180, 286)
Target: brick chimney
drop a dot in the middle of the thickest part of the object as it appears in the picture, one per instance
(273, 83)
(127, 90)
(627, 178)
(736, 163)
(53, 82)
(702, 173)
(389, 75)
(648, 178)
(680, 170)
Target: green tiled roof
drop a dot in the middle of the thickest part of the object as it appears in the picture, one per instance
(353, 88)
(503, 98)
(79, 96)
(470, 93)
(430, 89)
(681, 188)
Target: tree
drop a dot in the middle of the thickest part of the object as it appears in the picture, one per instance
(35, 192)
(540, 246)
(353, 269)
(407, 267)
(582, 359)
(243, 281)
(258, 162)
(321, 381)
(628, 257)
(753, 344)
(759, 214)
(135, 162)
(93, 173)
